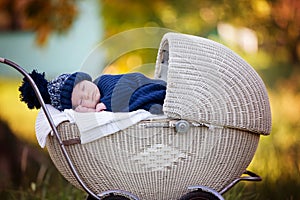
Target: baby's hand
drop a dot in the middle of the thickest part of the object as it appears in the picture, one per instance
(100, 107)
(84, 109)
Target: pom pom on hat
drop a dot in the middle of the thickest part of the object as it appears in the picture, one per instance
(27, 93)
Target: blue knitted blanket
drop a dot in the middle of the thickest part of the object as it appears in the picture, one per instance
(129, 92)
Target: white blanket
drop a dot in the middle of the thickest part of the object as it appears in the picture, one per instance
(92, 125)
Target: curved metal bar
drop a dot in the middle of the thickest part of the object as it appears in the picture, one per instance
(250, 177)
(51, 122)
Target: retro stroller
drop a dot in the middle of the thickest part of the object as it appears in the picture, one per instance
(216, 108)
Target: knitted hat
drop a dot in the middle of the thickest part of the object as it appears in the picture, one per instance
(61, 88)
(57, 92)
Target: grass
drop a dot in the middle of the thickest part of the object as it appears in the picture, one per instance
(53, 187)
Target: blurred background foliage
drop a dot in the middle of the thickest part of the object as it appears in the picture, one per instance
(266, 33)
(43, 17)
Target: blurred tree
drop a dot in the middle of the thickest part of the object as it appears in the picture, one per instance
(41, 16)
(275, 22)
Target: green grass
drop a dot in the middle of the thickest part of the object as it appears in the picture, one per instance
(53, 187)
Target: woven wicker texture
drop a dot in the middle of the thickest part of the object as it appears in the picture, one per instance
(155, 162)
(209, 83)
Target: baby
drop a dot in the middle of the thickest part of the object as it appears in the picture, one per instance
(86, 97)
(116, 93)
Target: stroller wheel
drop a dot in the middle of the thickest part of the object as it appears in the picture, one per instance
(199, 195)
(110, 197)
(115, 197)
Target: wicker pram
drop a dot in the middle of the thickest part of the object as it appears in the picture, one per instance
(216, 106)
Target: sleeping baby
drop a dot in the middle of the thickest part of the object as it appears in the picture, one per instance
(115, 93)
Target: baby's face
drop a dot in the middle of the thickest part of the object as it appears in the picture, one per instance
(86, 94)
